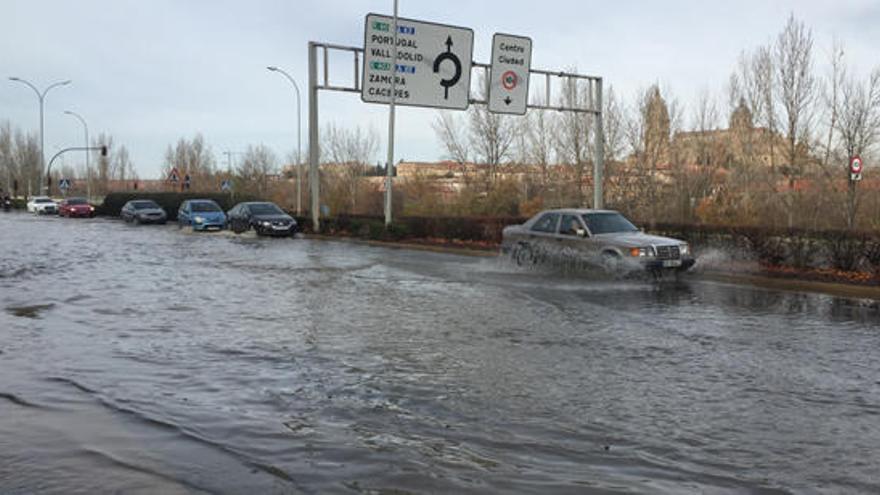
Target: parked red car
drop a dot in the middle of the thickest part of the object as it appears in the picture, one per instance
(76, 207)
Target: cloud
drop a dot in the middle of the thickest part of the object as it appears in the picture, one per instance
(151, 72)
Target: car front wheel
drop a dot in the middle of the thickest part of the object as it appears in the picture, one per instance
(611, 264)
(522, 255)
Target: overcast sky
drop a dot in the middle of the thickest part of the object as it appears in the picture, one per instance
(149, 72)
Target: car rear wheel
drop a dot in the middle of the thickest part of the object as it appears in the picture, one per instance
(237, 226)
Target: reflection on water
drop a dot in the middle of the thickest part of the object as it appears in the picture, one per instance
(162, 361)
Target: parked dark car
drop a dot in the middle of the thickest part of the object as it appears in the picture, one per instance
(265, 218)
(143, 211)
(201, 214)
(76, 207)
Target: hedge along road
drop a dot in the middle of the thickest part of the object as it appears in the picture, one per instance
(146, 359)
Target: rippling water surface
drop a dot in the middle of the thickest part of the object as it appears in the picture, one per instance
(152, 360)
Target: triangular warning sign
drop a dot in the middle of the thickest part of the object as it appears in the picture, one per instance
(174, 175)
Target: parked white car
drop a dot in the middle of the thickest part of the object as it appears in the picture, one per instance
(42, 205)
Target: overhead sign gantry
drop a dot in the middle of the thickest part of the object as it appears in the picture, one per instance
(430, 66)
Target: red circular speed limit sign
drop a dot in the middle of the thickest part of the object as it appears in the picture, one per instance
(855, 165)
(509, 80)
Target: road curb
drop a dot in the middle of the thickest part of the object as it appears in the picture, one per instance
(794, 285)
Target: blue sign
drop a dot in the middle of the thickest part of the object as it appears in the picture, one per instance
(64, 184)
(226, 185)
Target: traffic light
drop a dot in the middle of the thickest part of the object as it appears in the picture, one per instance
(103, 151)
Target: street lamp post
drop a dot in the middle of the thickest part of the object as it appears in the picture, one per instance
(298, 138)
(88, 166)
(42, 97)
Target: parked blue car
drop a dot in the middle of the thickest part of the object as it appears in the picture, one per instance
(201, 214)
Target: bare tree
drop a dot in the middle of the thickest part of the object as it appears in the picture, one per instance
(696, 157)
(539, 128)
(613, 126)
(832, 97)
(797, 92)
(256, 167)
(19, 160)
(452, 133)
(859, 127)
(349, 152)
(8, 173)
(574, 133)
(121, 167)
(762, 100)
(191, 157)
(27, 157)
(492, 135)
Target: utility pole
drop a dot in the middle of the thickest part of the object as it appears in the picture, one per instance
(599, 161)
(389, 172)
(314, 146)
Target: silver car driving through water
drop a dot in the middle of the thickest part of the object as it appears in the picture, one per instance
(597, 238)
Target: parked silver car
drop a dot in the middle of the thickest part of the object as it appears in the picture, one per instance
(598, 238)
(143, 211)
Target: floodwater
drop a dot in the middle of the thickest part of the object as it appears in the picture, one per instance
(152, 360)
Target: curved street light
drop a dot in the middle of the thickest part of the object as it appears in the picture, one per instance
(42, 97)
(88, 166)
(298, 137)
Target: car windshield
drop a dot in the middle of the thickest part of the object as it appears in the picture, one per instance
(205, 206)
(144, 205)
(77, 201)
(42, 200)
(265, 209)
(607, 223)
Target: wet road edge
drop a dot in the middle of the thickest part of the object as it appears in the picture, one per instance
(764, 282)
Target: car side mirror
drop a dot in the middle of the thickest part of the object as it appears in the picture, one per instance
(581, 233)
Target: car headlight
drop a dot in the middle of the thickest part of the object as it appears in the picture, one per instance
(684, 249)
(266, 224)
(641, 252)
(198, 219)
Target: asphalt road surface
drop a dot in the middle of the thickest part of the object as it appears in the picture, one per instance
(153, 360)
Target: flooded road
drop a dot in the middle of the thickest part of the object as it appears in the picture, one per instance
(152, 360)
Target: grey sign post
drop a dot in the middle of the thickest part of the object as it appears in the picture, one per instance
(389, 170)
